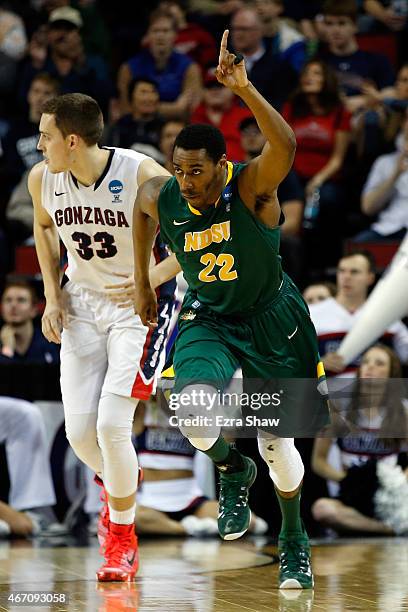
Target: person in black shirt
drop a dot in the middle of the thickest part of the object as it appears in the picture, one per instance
(20, 340)
(142, 126)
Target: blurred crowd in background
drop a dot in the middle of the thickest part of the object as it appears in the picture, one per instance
(338, 72)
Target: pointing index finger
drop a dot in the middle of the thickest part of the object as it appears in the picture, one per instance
(223, 46)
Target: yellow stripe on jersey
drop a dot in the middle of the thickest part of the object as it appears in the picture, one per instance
(320, 370)
(230, 169)
(169, 373)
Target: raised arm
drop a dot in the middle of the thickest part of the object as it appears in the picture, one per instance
(48, 253)
(265, 172)
(145, 221)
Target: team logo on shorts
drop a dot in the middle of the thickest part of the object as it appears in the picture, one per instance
(189, 315)
(115, 187)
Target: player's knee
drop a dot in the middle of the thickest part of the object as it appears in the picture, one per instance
(324, 510)
(81, 440)
(196, 414)
(111, 434)
(115, 420)
(283, 460)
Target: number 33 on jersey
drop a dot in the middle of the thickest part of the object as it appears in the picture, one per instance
(95, 222)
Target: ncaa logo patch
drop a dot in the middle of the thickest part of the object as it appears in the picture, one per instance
(115, 187)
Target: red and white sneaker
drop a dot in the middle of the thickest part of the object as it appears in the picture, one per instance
(103, 520)
(121, 555)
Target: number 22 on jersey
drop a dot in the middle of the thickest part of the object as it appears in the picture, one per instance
(225, 263)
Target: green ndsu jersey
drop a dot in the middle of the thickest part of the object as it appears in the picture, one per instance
(229, 258)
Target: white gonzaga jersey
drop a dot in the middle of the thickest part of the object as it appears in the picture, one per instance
(95, 222)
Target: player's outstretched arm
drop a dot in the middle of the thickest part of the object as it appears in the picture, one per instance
(164, 271)
(145, 221)
(48, 253)
(123, 294)
(271, 167)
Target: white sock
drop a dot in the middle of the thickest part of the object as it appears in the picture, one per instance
(122, 517)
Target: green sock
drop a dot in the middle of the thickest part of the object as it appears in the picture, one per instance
(225, 456)
(290, 509)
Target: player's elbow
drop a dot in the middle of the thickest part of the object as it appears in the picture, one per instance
(286, 142)
(291, 139)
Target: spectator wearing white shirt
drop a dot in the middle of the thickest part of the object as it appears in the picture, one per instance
(334, 317)
(385, 194)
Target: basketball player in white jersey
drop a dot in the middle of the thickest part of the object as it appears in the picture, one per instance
(109, 360)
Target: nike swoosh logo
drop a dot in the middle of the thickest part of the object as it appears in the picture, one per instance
(132, 559)
(291, 335)
(180, 222)
(62, 193)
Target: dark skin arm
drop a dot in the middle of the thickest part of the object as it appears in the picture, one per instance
(145, 221)
(259, 181)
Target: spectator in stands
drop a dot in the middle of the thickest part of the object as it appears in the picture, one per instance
(279, 36)
(322, 129)
(31, 492)
(378, 125)
(20, 340)
(19, 217)
(313, 294)
(142, 126)
(13, 43)
(220, 108)
(94, 32)
(391, 16)
(354, 67)
(304, 13)
(192, 39)
(214, 15)
(19, 145)
(334, 317)
(369, 454)
(397, 95)
(170, 499)
(385, 194)
(60, 52)
(18, 154)
(271, 74)
(178, 78)
(168, 135)
(13, 40)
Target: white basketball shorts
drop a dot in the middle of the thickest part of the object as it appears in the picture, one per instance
(107, 349)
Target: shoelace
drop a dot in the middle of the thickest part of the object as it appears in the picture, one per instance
(116, 548)
(229, 494)
(295, 558)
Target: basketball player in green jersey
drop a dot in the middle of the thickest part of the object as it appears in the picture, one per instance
(222, 222)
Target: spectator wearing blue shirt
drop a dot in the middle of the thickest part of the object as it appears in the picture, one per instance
(355, 68)
(60, 53)
(279, 36)
(178, 77)
(20, 340)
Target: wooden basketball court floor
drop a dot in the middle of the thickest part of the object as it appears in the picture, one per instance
(210, 576)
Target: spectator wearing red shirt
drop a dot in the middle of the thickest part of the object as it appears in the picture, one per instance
(191, 39)
(322, 129)
(221, 109)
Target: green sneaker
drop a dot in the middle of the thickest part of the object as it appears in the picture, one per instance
(234, 514)
(295, 571)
